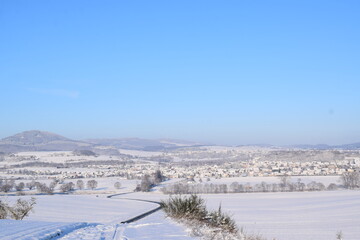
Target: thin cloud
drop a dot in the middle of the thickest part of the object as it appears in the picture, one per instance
(56, 92)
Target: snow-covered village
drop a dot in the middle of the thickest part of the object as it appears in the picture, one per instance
(179, 120)
(94, 194)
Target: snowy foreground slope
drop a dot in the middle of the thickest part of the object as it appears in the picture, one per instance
(290, 215)
(296, 215)
(153, 227)
(284, 216)
(24, 230)
(90, 217)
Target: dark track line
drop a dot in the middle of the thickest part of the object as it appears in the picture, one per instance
(136, 218)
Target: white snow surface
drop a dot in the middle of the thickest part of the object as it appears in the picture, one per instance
(294, 216)
(326, 180)
(62, 216)
(84, 208)
(155, 226)
(31, 230)
(281, 215)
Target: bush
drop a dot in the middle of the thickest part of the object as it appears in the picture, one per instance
(223, 221)
(145, 185)
(21, 209)
(3, 210)
(332, 186)
(117, 185)
(6, 188)
(193, 208)
(185, 207)
(20, 186)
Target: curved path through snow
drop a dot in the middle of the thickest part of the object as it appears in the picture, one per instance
(109, 231)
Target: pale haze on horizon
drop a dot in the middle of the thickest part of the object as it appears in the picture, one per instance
(234, 72)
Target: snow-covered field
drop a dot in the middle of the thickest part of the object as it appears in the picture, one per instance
(105, 186)
(294, 216)
(85, 208)
(31, 230)
(90, 217)
(281, 215)
(326, 180)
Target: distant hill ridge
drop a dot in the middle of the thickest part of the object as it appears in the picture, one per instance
(36, 140)
(33, 137)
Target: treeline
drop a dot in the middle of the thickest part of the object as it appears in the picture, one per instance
(73, 164)
(236, 187)
(43, 188)
(150, 181)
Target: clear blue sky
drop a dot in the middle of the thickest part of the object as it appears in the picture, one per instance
(226, 72)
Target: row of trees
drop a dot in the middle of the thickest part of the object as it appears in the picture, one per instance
(350, 180)
(235, 187)
(8, 185)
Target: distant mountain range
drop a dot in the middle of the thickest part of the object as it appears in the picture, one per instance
(40, 141)
(351, 146)
(45, 141)
(36, 140)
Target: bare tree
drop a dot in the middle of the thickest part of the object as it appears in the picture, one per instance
(21, 209)
(3, 210)
(52, 186)
(67, 187)
(234, 187)
(145, 184)
(350, 180)
(117, 185)
(20, 186)
(284, 181)
(332, 186)
(30, 185)
(6, 187)
(42, 188)
(158, 177)
(92, 184)
(339, 235)
(80, 184)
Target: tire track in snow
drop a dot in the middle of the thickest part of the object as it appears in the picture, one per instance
(102, 232)
(117, 236)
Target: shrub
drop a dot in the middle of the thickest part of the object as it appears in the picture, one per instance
(31, 185)
(20, 186)
(3, 210)
(332, 186)
(117, 185)
(223, 221)
(6, 188)
(21, 209)
(42, 188)
(193, 208)
(145, 185)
